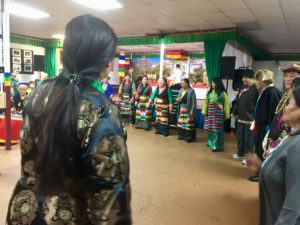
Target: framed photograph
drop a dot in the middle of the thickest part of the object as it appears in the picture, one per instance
(17, 67)
(27, 60)
(17, 60)
(27, 53)
(16, 52)
(27, 69)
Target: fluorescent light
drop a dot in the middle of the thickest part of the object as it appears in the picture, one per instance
(26, 11)
(100, 4)
(58, 36)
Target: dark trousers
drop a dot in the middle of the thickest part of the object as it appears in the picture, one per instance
(245, 139)
(260, 132)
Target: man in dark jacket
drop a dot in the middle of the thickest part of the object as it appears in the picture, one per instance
(244, 112)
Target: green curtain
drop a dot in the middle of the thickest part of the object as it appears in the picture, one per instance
(51, 62)
(213, 51)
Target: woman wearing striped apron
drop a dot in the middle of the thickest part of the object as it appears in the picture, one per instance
(162, 98)
(126, 92)
(187, 112)
(215, 110)
(143, 115)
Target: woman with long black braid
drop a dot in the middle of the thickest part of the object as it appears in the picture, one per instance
(75, 168)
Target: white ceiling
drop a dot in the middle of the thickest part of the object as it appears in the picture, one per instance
(271, 24)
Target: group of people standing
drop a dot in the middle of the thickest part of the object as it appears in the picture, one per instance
(269, 122)
(137, 104)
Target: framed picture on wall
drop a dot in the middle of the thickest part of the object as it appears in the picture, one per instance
(16, 52)
(27, 60)
(17, 67)
(27, 53)
(17, 60)
(27, 69)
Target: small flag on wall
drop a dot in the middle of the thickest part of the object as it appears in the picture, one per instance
(121, 72)
(7, 79)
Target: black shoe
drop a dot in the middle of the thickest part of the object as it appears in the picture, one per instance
(179, 138)
(254, 178)
(166, 135)
(189, 141)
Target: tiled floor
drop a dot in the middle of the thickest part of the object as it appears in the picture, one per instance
(173, 183)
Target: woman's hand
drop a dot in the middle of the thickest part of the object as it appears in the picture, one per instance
(178, 100)
(131, 101)
(170, 107)
(253, 162)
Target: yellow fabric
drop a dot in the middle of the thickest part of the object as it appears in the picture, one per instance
(183, 93)
(213, 97)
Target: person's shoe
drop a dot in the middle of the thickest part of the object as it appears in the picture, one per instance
(236, 156)
(254, 178)
(179, 138)
(189, 141)
(166, 135)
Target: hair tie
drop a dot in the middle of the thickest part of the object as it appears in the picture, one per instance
(74, 77)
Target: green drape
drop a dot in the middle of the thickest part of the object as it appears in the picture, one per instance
(213, 51)
(51, 62)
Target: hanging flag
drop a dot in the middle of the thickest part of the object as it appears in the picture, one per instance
(121, 72)
(7, 82)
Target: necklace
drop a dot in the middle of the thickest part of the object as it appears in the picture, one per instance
(283, 103)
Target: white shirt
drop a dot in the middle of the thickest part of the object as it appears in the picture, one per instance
(178, 76)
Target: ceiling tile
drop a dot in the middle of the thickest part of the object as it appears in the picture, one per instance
(264, 14)
(197, 22)
(171, 8)
(256, 4)
(289, 2)
(291, 12)
(240, 16)
(229, 5)
(215, 18)
(273, 24)
(199, 6)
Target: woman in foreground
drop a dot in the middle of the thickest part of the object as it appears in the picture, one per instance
(75, 167)
(279, 177)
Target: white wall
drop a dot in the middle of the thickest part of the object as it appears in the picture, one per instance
(25, 78)
(275, 67)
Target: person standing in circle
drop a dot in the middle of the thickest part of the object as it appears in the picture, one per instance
(127, 93)
(143, 115)
(216, 109)
(162, 99)
(75, 166)
(264, 110)
(187, 112)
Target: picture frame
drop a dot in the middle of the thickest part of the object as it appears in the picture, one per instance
(16, 52)
(27, 54)
(17, 67)
(27, 60)
(17, 60)
(27, 68)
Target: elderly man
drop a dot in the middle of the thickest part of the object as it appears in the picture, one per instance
(279, 128)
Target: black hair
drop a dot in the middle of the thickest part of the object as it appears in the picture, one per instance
(296, 82)
(145, 77)
(165, 80)
(186, 80)
(296, 95)
(127, 74)
(248, 73)
(89, 45)
(139, 78)
(219, 86)
(178, 66)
